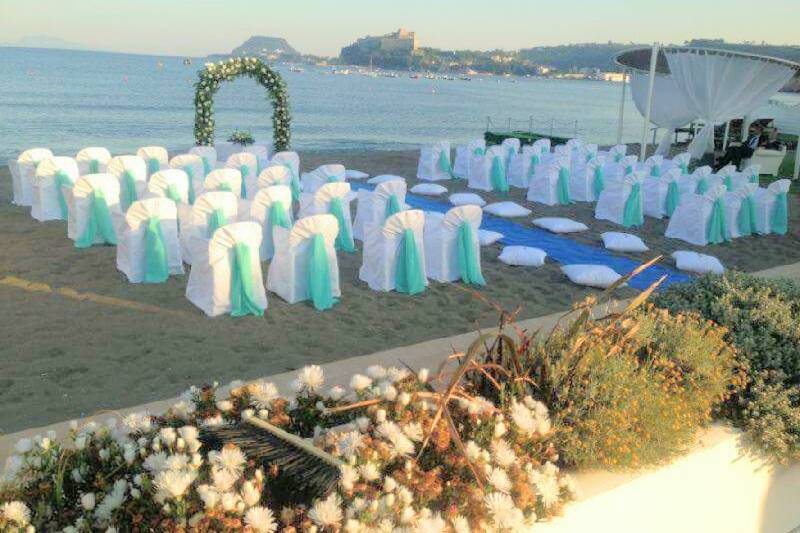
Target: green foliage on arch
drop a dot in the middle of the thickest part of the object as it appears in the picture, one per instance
(208, 85)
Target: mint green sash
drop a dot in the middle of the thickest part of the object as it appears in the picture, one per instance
(319, 279)
(728, 181)
(598, 182)
(156, 268)
(60, 180)
(94, 166)
(532, 167)
(294, 182)
(172, 193)
(702, 186)
(258, 166)
(590, 156)
(278, 216)
(468, 263)
(754, 178)
(444, 164)
(629, 169)
(225, 186)
(245, 171)
(242, 301)
(684, 169)
(190, 172)
(128, 190)
(392, 205)
(498, 175)
(408, 277)
(344, 240)
(99, 220)
(562, 186)
(206, 166)
(717, 229)
(479, 151)
(618, 157)
(153, 165)
(779, 220)
(673, 197)
(216, 220)
(655, 171)
(632, 213)
(746, 219)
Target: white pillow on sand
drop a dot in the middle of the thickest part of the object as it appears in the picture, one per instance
(507, 209)
(522, 256)
(487, 238)
(698, 263)
(384, 177)
(428, 189)
(467, 198)
(560, 225)
(599, 276)
(623, 242)
(355, 175)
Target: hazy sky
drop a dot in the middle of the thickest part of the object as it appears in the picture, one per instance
(199, 27)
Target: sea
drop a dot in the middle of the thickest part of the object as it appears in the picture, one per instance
(66, 100)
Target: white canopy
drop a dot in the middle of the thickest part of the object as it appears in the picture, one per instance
(668, 109)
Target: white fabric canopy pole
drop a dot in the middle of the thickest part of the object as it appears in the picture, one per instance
(726, 135)
(651, 86)
(797, 160)
(622, 106)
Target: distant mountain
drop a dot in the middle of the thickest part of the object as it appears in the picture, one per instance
(46, 41)
(272, 48)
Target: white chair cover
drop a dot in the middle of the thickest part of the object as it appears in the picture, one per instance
(93, 160)
(311, 181)
(682, 161)
(543, 187)
(156, 157)
(699, 181)
(690, 220)
(247, 165)
(287, 159)
(171, 183)
(617, 153)
(480, 168)
(224, 179)
(434, 162)
(441, 241)
(26, 171)
(197, 224)
(131, 172)
(262, 156)
(463, 154)
(209, 286)
(765, 204)
(373, 205)
(261, 213)
(655, 192)
(733, 205)
(612, 201)
(381, 249)
(195, 171)
(53, 176)
(654, 166)
(275, 174)
(522, 166)
(729, 176)
(288, 271)
(16, 186)
(511, 147)
(80, 201)
(542, 146)
(209, 156)
(320, 203)
(586, 179)
(131, 242)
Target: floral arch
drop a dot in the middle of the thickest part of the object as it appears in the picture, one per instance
(215, 73)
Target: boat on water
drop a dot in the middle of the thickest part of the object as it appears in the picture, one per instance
(414, 76)
(187, 61)
(465, 78)
(296, 69)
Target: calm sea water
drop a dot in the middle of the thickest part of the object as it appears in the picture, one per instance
(66, 100)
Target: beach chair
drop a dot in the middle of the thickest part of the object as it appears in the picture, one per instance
(93, 211)
(333, 199)
(291, 161)
(210, 211)
(452, 246)
(661, 195)
(311, 181)
(550, 184)
(375, 206)
(26, 172)
(93, 160)
(622, 203)
(434, 162)
(156, 157)
(573, 145)
(542, 146)
(131, 172)
(304, 267)
(586, 184)
(247, 165)
(488, 172)
(271, 207)
(195, 171)
(226, 277)
(772, 207)
(463, 154)
(394, 254)
(522, 166)
(209, 156)
(262, 156)
(148, 245)
(54, 177)
(740, 211)
(700, 219)
(171, 183)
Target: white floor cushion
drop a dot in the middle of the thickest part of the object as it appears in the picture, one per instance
(428, 189)
(467, 198)
(599, 276)
(560, 225)
(623, 242)
(507, 209)
(698, 263)
(487, 238)
(384, 177)
(522, 256)
(355, 175)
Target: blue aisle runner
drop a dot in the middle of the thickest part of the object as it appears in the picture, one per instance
(560, 249)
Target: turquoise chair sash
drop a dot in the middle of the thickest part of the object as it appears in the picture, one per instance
(628, 169)
(172, 193)
(468, 260)
(156, 268)
(779, 220)
(206, 166)
(225, 186)
(344, 240)
(294, 182)
(242, 300)
(392, 205)
(598, 182)
(717, 229)
(245, 170)
(498, 175)
(408, 276)
(331, 179)
(99, 220)
(479, 151)
(754, 178)
(728, 181)
(190, 172)
(632, 213)
(153, 165)
(684, 169)
(216, 220)
(673, 197)
(278, 216)
(532, 167)
(655, 171)
(562, 186)
(444, 164)
(702, 186)
(129, 194)
(60, 180)
(618, 157)
(94, 166)
(746, 218)
(319, 280)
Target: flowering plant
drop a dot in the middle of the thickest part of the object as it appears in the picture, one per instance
(241, 137)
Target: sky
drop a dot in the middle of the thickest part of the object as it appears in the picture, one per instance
(200, 27)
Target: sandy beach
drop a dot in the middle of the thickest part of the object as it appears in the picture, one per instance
(124, 344)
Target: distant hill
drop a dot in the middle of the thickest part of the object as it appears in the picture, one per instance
(45, 41)
(577, 56)
(271, 48)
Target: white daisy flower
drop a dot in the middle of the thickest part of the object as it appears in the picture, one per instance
(173, 483)
(261, 520)
(310, 378)
(360, 382)
(376, 372)
(327, 513)
(16, 512)
(230, 458)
